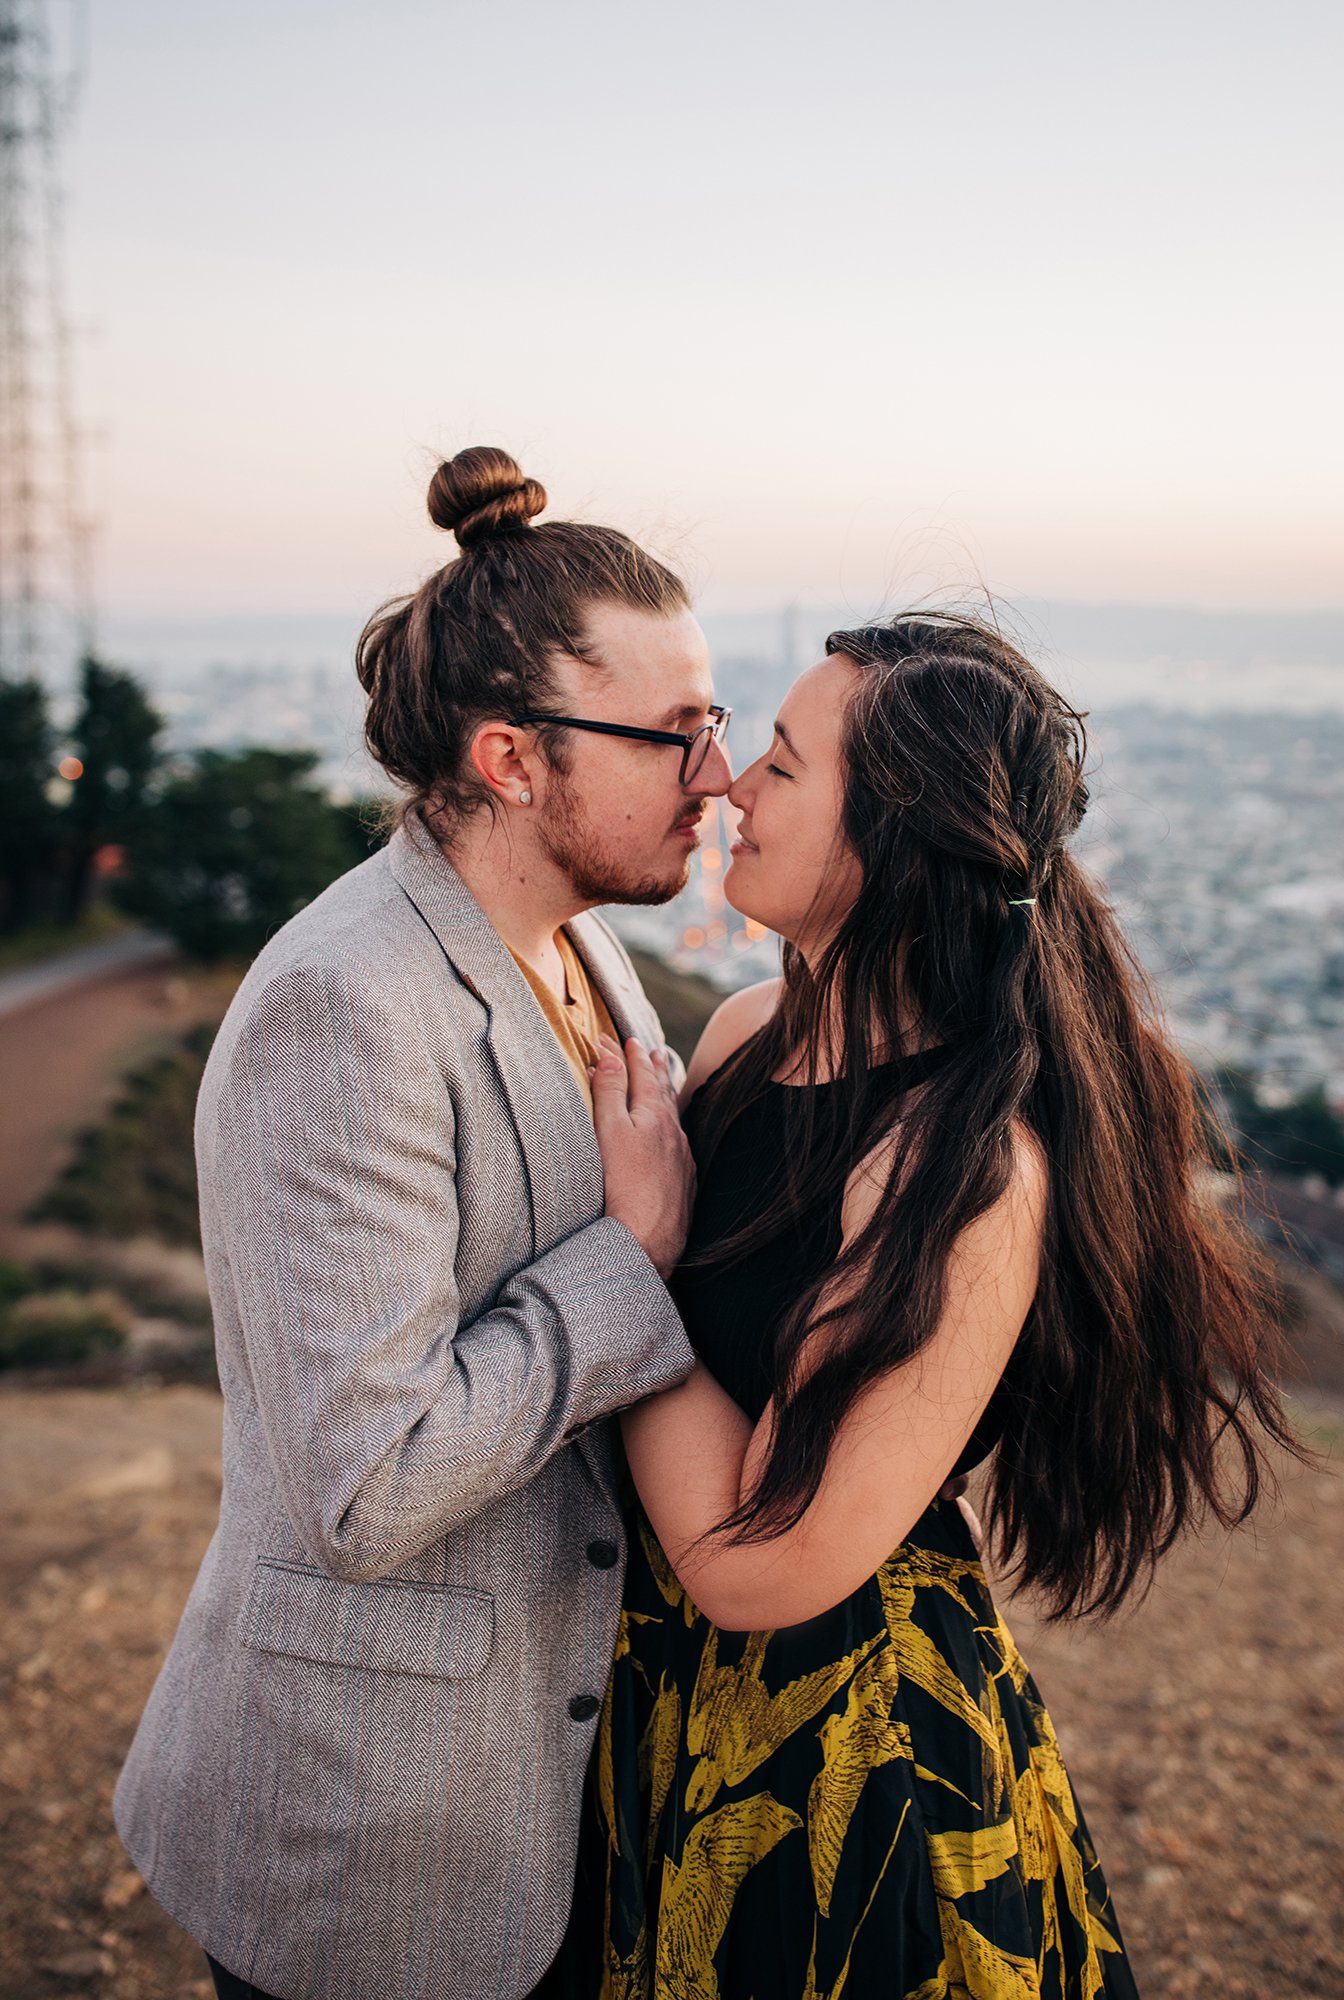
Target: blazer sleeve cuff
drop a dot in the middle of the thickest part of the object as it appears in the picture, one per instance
(624, 1335)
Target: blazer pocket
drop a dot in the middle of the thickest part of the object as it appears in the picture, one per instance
(376, 1628)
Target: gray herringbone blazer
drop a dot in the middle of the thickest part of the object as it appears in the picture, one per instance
(358, 1775)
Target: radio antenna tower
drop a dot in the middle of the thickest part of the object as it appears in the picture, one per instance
(46, 596)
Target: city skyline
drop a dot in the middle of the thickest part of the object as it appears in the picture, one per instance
(1215, 829)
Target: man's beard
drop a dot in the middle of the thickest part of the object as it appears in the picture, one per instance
(596, 876)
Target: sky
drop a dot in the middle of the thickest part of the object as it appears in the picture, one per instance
(827, 304)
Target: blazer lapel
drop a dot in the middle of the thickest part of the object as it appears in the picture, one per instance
(555, 1131)
(606, 968)
(564, 1167)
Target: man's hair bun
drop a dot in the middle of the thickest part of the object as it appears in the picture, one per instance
(482, 492)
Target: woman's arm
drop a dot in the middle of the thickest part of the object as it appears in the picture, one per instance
(695, 1455)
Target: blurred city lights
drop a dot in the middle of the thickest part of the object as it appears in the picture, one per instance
(70, 768)
(720, 932)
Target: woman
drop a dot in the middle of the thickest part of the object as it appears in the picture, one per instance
(949, 1204)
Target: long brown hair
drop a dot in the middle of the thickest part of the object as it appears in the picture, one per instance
(1139, 1395)
(480, 637)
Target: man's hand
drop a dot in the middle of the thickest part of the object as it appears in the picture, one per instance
(650, 1176)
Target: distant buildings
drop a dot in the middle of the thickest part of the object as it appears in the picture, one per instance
(1218, 835)
(1221, 840)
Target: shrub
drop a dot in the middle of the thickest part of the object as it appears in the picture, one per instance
(54, 1329)
(15, 1284)
(135, 1175)
(1292, 1140)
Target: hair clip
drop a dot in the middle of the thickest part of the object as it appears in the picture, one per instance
(1022, 903)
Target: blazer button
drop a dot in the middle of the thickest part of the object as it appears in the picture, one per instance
(583, 1706)
(603, 1554)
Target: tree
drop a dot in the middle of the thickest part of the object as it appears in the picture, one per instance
(115, 738)
(1304, 1136)
(27, 815)
(232, 846)
(365, 822)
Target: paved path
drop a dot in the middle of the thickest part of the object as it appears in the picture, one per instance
(133, 951)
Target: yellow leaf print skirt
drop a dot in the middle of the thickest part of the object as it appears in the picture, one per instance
(872, 1804)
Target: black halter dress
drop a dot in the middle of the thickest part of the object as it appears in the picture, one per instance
(871, 1804)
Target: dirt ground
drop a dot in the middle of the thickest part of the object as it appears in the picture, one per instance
(1205, 1731)
(61, 1064)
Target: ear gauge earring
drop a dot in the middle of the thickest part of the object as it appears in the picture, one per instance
(524, 798)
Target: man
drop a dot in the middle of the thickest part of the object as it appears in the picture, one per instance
(359, 1772)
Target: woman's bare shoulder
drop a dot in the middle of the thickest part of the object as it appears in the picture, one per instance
(1025, 1195)
(733, 1022)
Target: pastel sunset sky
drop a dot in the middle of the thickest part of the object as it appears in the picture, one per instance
(821, 301)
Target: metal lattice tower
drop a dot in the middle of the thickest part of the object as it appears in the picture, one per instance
(46, 610)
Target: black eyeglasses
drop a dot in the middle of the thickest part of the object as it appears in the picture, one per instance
(694, 747)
